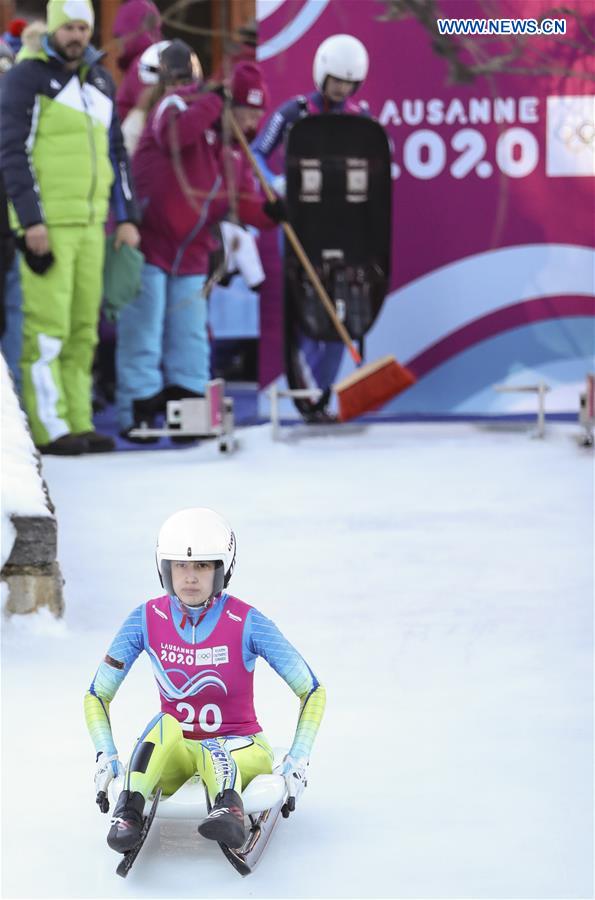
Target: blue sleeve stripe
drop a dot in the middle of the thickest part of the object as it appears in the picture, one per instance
(103, 708)
(315, 680)
(305, 702)
(151, 724)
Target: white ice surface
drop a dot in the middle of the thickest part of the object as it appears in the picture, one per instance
(438, 579)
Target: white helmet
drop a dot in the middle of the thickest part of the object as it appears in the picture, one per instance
(342, 56)
(197, 533)
(148, 64)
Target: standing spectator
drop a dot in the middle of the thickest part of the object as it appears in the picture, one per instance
(62, 156)
(12, 35)
(7, 248)
(136, 27)
(7, 255)
(184, 176)
(340, 67)
(153, 89)
(12, 330)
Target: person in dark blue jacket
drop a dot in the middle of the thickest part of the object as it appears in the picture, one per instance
(340, 67)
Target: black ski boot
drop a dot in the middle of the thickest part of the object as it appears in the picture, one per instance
(176, 392)
(317, 413)
(97, 442)
(225, 822)
(127, 821)
(145, 412)
(67, 445)
(320, 417)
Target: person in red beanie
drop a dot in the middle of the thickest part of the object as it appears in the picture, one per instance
(137, 25)
(12, 35)
(186, 178)
(250, 97)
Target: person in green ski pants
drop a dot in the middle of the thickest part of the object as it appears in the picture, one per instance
(64, 163)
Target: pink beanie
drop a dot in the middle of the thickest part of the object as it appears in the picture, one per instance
(248, 87)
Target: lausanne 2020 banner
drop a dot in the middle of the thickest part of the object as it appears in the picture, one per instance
(493, 173)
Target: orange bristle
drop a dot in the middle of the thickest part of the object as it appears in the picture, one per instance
(371, 386)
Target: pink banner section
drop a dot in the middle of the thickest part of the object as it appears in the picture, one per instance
(504, 157)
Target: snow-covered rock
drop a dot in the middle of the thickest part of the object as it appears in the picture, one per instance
(28, 548)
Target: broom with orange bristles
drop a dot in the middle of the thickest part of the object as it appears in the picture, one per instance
(370, 386)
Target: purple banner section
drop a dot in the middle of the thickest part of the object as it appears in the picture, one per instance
(493, 187)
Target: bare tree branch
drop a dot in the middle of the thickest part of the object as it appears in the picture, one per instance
(454, 48)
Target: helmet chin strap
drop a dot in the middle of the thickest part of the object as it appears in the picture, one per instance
(203, 607)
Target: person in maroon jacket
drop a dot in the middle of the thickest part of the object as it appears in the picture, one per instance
(137, 25)
(187, 177)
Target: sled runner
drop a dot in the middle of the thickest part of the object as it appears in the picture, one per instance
(129, 857)
(244, 858)
(263, 800)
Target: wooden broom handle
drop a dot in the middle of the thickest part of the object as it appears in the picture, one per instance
(297, 246)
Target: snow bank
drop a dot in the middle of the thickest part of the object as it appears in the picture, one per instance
(22, 491)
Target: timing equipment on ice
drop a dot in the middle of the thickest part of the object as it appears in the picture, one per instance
(208, 416)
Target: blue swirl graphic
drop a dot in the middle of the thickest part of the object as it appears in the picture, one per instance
(193, 685)
(304, 20)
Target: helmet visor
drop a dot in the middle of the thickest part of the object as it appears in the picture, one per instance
(168, 581)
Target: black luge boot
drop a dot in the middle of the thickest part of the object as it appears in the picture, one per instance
(225, 822)
(127, 821)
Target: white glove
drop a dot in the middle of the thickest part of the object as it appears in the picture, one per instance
(278, 185)
(295, 772)
(108, 768)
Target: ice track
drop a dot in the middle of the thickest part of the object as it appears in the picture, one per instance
(439, 580)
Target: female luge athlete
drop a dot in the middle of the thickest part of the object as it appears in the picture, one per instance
(203, 644)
